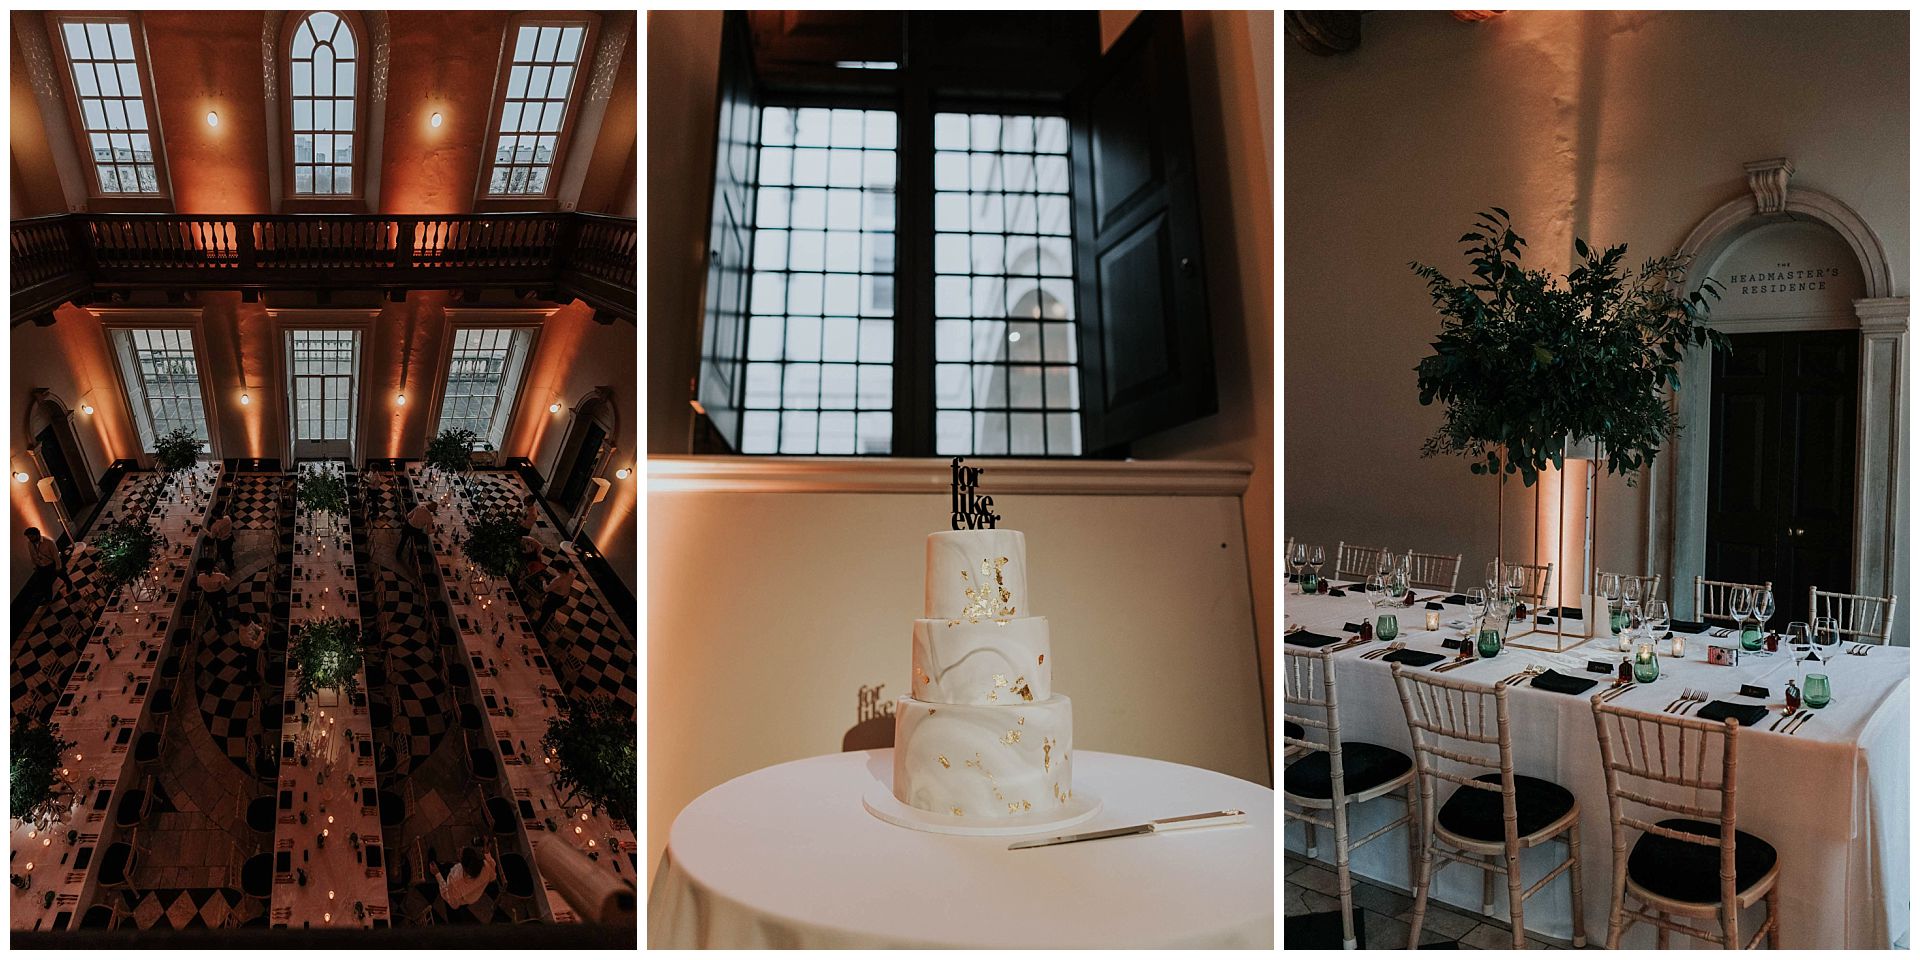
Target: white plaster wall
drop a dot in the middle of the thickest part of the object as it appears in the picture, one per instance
(766, 613)
(1617, 127)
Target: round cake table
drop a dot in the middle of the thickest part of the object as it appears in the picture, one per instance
(788, 857)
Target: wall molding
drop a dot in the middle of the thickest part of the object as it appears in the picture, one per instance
(924, 475)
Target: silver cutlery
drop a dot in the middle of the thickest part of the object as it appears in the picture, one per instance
(1720, 632)
(1377, 654)
(1688, 697)
(1619, 690)
(1454, 665)
(1787, 718)
(1794, 727)
(1858, 650)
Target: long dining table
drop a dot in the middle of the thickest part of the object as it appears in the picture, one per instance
(1831, 796)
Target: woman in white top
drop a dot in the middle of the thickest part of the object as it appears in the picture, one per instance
(468, 879)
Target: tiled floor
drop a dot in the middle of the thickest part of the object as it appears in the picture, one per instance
(1388, 913)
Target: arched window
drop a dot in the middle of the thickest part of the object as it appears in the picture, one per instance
(105, 56)
(324, 78)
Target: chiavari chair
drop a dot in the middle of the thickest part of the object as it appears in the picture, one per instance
(1713, 599)
(1862, 616)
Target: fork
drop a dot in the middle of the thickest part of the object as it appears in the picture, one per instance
(1794, 727)
(1383, 651)
(1858, 650)
(1687, 696)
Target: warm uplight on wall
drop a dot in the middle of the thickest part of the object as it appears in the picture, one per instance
(213, 119)
(435, 120)
(623, 472)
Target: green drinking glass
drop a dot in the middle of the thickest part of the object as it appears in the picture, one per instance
(1616, 618)
(1386, 626)
(1818, 692)
(1489, 643)
(1646, 669)
(1309, 583)
(1750, 636)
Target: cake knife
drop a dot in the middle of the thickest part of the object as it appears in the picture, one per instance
(1216, 818)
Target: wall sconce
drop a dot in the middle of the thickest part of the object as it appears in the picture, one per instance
(623, 472)
(245, 399)
(553, 407)
(87, 408)
(213, 119)
(20, 476)
(435, 120)
(400, 400)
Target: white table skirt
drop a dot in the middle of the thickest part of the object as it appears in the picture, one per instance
(1832, 799)
(788, 857)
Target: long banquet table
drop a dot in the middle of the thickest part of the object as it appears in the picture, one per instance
(1831, 798)
(519, 694)
(106, 702)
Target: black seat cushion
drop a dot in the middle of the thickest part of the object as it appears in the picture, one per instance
(261, 814)
(1475, 814)
(147, 748)
(1295, 730)
(485, 765)
(115, 863)
(518, 876)
(1690, 872)
(256, 875)
(500, 812)
(1367, 765)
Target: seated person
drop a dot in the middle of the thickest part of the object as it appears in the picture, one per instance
(465, 882)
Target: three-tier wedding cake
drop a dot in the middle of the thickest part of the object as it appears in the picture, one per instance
(983, 735)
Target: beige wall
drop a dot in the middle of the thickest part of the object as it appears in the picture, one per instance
(767, 612)
(1616, 127)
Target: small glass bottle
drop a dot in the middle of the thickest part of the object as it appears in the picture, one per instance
(1626, 669)
(1793, 696)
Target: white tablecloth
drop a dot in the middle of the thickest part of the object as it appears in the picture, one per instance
(1832, 799)
(788, 857)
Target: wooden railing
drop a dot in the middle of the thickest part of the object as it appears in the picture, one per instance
(76, 256)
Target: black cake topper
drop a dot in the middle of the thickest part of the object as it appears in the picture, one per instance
(970, 510)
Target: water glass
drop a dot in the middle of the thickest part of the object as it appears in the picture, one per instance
(1659, 617)
(1799, 634)
(1630, 589)
(1489, 632)
(1817, 692)
(1386, 626)
(1646, 664)
(1826, 633)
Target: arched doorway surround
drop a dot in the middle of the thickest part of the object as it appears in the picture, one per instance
(58, 455)
(586, 448)
(1677, 505)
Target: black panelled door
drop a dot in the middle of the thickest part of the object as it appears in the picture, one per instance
(1781, 477)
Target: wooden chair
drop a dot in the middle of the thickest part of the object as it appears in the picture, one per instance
(1649, 583)
(1696, 863)
(1533, 588)
(1713, 599)
(1352, 562)
(1435, 571)
(1492, 817)
(1867, 617)
(1331, 773)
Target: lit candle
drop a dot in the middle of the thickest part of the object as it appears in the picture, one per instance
(1679, 645)
(1433, 619)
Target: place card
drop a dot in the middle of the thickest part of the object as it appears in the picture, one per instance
(1750, 690)
(1599, 666)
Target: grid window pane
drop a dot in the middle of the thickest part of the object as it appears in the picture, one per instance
(1006, 382)
(477, 373)
(540, 81)
(322, 381)
(106, 81)
(324, 81)
(170, 379)
(820, 341)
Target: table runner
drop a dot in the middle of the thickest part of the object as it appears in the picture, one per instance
(1832, 799)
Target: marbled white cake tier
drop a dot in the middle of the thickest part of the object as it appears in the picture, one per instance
(990, 563)
(1003, 662)
(983, 762)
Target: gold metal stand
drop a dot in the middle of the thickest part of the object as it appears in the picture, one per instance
(1558, 638)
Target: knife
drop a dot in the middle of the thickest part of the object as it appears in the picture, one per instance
(1215, 818)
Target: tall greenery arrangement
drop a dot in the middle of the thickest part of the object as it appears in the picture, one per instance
(452, 450)
(592, 743)
(126, 550)
(493, 544)
(36, 791)
(177, 449)
(1526, 364)
(325, 655)
(322, 491)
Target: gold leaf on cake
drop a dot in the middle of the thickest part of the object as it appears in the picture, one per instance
(992, 695)
(975, 762)
(943, 761)
(1042, 660)
(999, 679)
(1012, 737)
(1024, 805)
(984, 602)
(1023, 721)
(1013, 808)
(1046, 753)
(957, 813)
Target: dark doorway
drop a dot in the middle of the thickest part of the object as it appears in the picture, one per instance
(1780, 480)
(54, 456)
(586, 457)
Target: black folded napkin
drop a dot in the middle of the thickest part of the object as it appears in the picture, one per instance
(1458, 598)
(1336, 592)
(1561, 683)
(1307, 638)
(1571, 613)
(1688, 626)
(1413, 658)
(1749, 714)
(1455, 643)
(1432, 606)
(1350, 627)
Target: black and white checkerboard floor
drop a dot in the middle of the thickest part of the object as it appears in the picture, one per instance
(189, 909)
(46, 651)
(593, 650)
(255, 503)
(227, 675)
(415, 690)
(384, 509)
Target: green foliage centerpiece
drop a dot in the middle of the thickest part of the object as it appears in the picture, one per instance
(177, 449)
(592, 744)
(325, 655)
(126, 551)
(1525, 364)
(452, 450)
(322, 491)
(37, 792)
(493, 544)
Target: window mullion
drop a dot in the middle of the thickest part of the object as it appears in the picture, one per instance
(913, 272)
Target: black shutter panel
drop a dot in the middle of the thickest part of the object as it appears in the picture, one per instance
(723, 336)
(1146, 354)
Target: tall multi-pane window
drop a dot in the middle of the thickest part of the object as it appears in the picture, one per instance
(820, 338)
(115, 121)
(483, 375)
(541, 76)
(162, 378)
(323, 85)
(323, 365)
(1005, 374)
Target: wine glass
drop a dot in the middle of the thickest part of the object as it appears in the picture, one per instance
(1516, 578)
(1826, 633)
(1297, 560)
(1377, 589)
(1659, 617)
(1493, 576)
(1630, 589)
(1740, 603)
(1762, 611)
(1317, 560)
